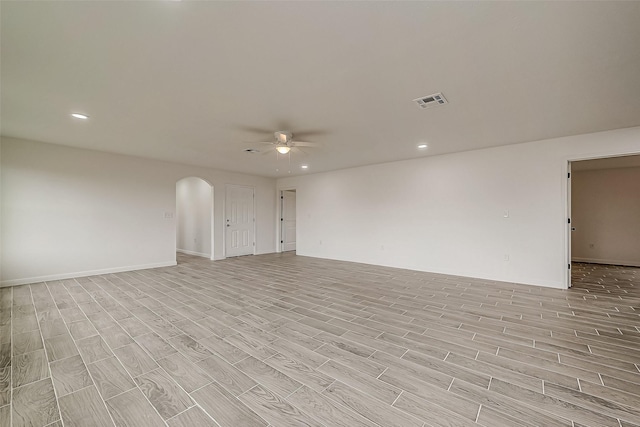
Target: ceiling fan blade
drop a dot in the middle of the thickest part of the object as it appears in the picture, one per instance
(253, 129)
(309, 133)
(259, 142)
(306, 144)
(300, 150)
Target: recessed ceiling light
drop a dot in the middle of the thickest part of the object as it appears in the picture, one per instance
(422, 146)
(79, 116)
(305, 166)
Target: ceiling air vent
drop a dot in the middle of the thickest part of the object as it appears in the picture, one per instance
(430, 100)
(251, 150)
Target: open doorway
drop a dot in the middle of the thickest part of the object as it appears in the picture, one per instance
(604, 208)
(287, 220)
(194, 217)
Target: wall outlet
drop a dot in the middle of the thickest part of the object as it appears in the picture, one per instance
(506, 257)
(168, 215)
(505, 213)
(320, 241)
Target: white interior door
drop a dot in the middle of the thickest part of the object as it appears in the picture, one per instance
(569, 224)
(288, 221)
(240, 220)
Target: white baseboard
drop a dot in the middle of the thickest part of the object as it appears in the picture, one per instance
(606, 261)
(186, 252)
(14, 282)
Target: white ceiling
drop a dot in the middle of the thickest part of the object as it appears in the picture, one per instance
(179, 80)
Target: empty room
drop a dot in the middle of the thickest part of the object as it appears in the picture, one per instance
(350, 214)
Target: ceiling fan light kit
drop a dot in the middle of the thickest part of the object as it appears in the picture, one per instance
(284, 142)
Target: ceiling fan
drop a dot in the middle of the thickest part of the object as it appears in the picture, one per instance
(284, 142)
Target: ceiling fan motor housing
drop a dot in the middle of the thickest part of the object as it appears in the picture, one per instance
(283, 137)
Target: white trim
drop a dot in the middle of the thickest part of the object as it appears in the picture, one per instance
(565, 195)
(213, 222)
(186, 252)
(279, 213)
(529, 281)
(280, 222)
(14, 282)
(606, 261)
(568, 224)
(279, 217)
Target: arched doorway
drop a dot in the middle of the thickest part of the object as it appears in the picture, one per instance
(194, 217)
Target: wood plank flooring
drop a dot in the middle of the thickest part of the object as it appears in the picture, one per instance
(282, 340)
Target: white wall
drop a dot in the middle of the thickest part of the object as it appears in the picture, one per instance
(1, 209)
(605, 211)
(68, 212)
(194, 210)
(446, 213)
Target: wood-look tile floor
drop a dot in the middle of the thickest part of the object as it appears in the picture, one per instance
(282, 340)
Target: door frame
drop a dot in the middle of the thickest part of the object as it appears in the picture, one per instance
(282, 229)
(280, 244)
(224, 220)
(569, 224)
(566, 191)
(211, 219)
